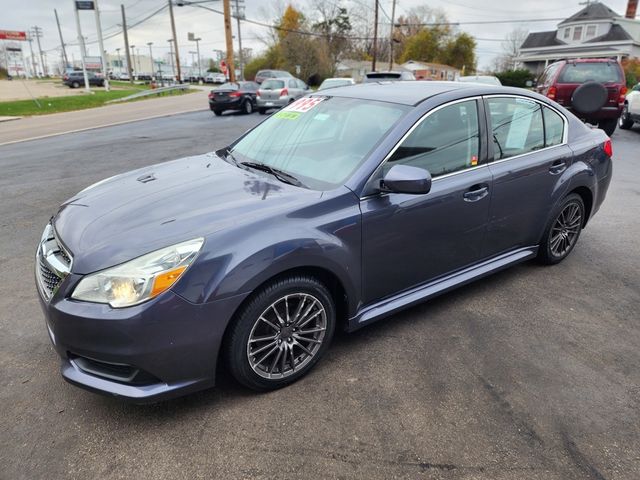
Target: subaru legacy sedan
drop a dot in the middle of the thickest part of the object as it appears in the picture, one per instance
(340, 209)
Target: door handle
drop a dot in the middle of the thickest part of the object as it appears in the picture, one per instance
(557, 167)
(475, 193)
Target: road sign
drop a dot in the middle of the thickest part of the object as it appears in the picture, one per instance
(191, 37)
(13, 35)
(94, 63)
(85, 5)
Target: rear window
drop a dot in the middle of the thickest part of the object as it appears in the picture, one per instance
(272, 84)
(584, 72)
(378, 76)
(228, 86)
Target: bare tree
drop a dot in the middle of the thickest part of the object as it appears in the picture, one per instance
(510, 50)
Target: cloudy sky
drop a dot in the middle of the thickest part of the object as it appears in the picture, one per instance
(209, 26)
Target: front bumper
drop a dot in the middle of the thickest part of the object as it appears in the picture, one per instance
(170, 344)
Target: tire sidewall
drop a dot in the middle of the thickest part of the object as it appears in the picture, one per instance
(247, 108)
(545, 254)
(240, 330)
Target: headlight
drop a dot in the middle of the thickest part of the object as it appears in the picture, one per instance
(140, 279)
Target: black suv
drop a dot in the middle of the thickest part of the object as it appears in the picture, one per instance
(76, 79)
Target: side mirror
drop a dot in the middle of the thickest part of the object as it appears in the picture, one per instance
(406, 179)
(529, 83)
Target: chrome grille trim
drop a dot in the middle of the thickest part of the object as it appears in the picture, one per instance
(53, 263)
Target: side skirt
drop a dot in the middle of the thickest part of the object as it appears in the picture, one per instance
(407, 298)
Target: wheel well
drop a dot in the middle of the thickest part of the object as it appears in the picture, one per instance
(587, 199)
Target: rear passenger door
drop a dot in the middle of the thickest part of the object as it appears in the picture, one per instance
(528, 154)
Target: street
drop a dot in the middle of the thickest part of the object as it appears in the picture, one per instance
(532, 373)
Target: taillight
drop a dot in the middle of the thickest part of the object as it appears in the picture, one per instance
(608, 148)
(551, 93)
(234, 94)
(259, 93)
(210, 95)
(284, 92)
(623, 94)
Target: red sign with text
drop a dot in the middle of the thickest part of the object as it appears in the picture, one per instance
(12, 35)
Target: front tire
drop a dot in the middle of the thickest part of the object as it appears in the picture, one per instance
(75, 85)
(262, 111)
(281, 333)
(609, 126)
(625, 122)
(563, 230)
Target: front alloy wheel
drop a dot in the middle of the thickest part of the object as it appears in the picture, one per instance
(281, 333)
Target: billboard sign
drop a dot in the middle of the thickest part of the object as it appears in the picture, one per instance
(93, 63)
(85, 5)
(13, 35)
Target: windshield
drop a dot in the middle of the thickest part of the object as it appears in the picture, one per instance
(602, 72)
(272, 84)
(321, 145)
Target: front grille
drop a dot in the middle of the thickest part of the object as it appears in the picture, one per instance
(48, 279)
(53, 263)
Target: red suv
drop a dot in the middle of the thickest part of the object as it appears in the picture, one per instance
(592, 88)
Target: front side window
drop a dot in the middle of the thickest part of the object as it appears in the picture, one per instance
(320, 140)
(516, 126)
(446, 141)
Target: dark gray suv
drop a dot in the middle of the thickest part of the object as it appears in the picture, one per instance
(338, 210)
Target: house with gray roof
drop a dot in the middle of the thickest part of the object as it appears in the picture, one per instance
(596, 31)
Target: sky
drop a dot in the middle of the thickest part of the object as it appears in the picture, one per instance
(209, 26)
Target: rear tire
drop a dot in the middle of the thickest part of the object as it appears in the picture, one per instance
(625, 122)
(262, 111)
(563, 230)
(281, 333)
(609, 126)
(247, 107)
(217, 113)
(75, 85)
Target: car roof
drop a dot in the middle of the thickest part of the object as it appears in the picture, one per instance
(407, 93)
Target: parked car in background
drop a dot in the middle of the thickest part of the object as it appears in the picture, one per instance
(631, 109)
(336, 82)
(263, 75)
(484, 79)
(387, 76)
(593, 89)
(233, 96)
(76, 79)
(332, 214)
(279, 92)
(215, 77)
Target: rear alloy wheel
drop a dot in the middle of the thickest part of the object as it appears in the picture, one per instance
(563, 231)
(281, 333)
(75, 85)
(609, 126)
(247, 107)
(625, 122)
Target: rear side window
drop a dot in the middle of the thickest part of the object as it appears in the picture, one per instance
(446, 141)
(602, 72)
(553, 127)
(516, 125)
(293, 84)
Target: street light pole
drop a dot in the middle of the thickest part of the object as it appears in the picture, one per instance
(101, 45)
(240, 15)
(151, 57)
(83, 50)
(173, 70)
(119, 62)
(199, 63)
(133, 62)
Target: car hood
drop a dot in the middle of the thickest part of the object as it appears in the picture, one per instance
(134, 213)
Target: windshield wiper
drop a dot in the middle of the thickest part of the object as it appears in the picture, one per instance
(276, 172)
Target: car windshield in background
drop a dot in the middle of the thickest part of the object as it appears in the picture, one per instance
(323, 145)
(585, 72)
(272, 84)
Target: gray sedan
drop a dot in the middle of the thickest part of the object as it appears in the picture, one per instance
(279, 92)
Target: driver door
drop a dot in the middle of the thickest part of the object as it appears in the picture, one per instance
(412, 239)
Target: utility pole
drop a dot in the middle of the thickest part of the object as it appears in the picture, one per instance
(393, 18)
(126, 44)
(375, 38)
(239, 15)
(171, 57)
(175, 39)
(229, 40)
(133, 64)
(105, 74)
(37, 32)
(34, 73)
(119, 61)
(83, 50)
(153, 76)
(64, 50)
(199, 63)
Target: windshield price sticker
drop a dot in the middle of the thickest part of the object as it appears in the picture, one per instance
(304, 104)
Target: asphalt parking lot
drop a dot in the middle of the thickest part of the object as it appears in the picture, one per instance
(533, 373)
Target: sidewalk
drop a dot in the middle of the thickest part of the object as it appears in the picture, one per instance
(31, 128)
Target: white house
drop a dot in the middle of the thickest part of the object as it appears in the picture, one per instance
(596, 31)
